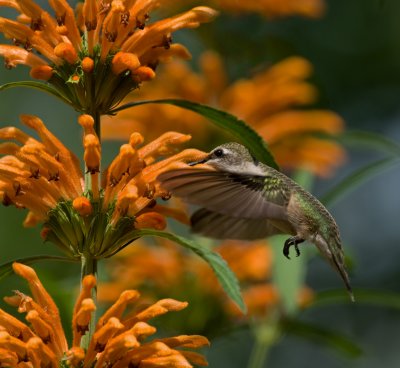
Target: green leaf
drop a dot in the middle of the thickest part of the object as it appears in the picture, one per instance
(357, 177)
(370, 140)
(38, 86)
(371, 297)
(221, 269)
(229, 123)
(320, 335)
(6, 268)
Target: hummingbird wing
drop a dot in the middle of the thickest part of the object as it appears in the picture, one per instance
(236, 195)
(219, 226)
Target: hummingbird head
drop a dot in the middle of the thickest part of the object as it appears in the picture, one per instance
(231, 157)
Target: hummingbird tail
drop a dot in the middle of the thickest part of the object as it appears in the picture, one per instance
(332, 251)
(345, 277)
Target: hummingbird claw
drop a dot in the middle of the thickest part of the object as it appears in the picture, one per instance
(286, 248)
(296, 247)
(294, 240)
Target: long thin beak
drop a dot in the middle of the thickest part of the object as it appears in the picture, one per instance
(199, 162)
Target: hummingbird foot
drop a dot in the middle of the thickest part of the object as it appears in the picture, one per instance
(294, 240)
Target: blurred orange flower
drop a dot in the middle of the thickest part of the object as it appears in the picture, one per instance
(117, 341)
(268, 101)
(165, 268)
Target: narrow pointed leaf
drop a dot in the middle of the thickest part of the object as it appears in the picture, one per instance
(358, 177)
(379, 298)
(321, 335)
(6, 268)
(38, 86)
(370, 140)
(229, 123)
(221, 269)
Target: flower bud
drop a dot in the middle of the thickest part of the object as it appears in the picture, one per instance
(123, 61)
(143, 74)
(151, 220)
(67, 52)
(83, 206)
(87, 64)
(42, 72)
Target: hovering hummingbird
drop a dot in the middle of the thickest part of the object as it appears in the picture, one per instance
(244, 199)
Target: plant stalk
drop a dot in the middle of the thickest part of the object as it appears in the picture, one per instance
(96, 116)
(88, 261)
(89, 267)
(266, 335)
(259, 354)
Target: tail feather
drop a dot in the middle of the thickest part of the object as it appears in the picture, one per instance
(343, 273)
(333, 252)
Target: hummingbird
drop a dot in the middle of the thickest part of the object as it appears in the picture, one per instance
(241, 198)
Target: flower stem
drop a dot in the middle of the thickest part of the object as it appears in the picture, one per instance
(266, 335)
(96, 116)
(88, 261)
(259, 355)
(89, 267)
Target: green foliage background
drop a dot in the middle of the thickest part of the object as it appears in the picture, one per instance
(355, 50)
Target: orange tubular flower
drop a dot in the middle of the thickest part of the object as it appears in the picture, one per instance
(114, 35)
(117, 341)
(44, 177)
(268, 101)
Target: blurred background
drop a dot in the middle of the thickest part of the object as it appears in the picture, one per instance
(347, 71)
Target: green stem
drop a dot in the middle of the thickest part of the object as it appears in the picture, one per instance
(96, 116)
(88, 261)
(266, 335)
(259, 355)
(89, 267)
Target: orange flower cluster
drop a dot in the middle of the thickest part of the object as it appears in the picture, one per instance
(165, 267)
(36, 174)
(274, 8)
(268, 101)
(45, 177)
(99, 55)
(118, 341)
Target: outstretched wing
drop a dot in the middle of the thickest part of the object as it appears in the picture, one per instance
(236, 195)
(219, 226)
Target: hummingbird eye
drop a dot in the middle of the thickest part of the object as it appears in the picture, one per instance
(219, 152)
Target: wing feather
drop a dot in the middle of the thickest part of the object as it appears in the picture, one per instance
(219, 226)
(227, 193)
